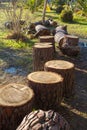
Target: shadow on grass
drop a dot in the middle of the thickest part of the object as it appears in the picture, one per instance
(16, 57)
(76, 121)
(78, 22)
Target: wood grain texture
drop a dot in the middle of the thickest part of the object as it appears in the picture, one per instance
(66, 69)
(16, 101)
(48, 89)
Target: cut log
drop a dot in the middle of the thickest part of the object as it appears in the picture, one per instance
(44, 120)
(16, 101)
(48, 89)
(66, 43)
(72, 40)
(70, 50)
(66, 69)
(41, 54)
(47, 39)
(41, 31)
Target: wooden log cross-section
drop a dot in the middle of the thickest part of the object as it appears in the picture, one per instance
(66, 69)
(47, 39)
(48, 89)
(16, 101)
(44, 120)
(41, 54)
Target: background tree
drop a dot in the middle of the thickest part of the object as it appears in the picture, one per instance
(44, 10)
(83, 4)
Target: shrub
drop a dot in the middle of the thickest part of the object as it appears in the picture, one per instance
(59, 9)
(66, 16)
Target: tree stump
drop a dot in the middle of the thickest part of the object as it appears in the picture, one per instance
(66, 69)
(48, 89)
(16, 101)
(47, 39)
(44, 120)
(41, 54)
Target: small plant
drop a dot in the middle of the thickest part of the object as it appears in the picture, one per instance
(66, 15)
(59, 9)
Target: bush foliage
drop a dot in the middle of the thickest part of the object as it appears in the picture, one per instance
(66, 16)
(59, 9)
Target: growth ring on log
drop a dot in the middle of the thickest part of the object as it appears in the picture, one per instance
(47, 87)
(66, 69)
(16, 101)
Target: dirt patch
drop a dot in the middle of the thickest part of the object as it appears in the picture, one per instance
(74, 109)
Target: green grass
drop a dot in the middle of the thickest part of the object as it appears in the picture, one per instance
(78, 27)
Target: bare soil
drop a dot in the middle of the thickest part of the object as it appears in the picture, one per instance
(74, 109)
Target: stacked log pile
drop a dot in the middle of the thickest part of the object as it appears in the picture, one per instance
(16, 101)
(44, 120)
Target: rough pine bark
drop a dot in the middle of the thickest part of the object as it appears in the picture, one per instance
(66, 69)
(44, 120)
(16, 101)
(41, 54)
(48, 89)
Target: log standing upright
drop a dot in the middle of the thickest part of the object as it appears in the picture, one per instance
(41, 54)
(49, 39)
(66, 69)
(48, 89)
(16, 101)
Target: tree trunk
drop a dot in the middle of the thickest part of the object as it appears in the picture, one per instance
(47, 39)
(44, 11)
(15, 102)
(44, 120)
(48, 89)
(66, 69)
(41, 54)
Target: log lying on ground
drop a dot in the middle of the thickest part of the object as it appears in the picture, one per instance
(48, 89)
(41, 31)
(47, 39)
(50, 22)
(68, 44)
(70, 50)
(31, 27)
(16, 101)
(44, 120)
(41, 54)
(66, 69)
